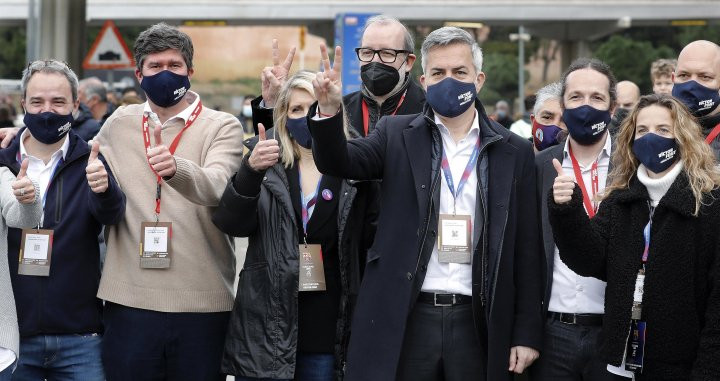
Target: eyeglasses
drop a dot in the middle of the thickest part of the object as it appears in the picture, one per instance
(386, 55)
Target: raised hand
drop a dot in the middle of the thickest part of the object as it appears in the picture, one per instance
(95, 171)
(273, 77)
(266, 152)
(160, 158)
(327, 84)
(22, 187)
(563, 186)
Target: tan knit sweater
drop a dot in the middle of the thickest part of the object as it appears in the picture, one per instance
(202, 271)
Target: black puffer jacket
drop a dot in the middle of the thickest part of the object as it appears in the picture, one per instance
(681, 303)
(262, 338)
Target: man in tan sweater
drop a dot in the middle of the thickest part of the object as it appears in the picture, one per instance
(169, 272)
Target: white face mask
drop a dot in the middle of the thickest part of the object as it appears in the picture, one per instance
(247, 111)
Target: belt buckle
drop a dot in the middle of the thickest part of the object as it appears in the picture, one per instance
(573, 321)
(436, 304)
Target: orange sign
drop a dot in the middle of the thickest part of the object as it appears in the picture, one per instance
(109, 50)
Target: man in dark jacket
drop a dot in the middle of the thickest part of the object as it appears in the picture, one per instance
(451, 289)
(59, 315)
(697, 84)
(386, 58)
(84, 125)
(575, 305)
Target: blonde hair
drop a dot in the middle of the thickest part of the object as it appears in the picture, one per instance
(289, 148)
(698, 159)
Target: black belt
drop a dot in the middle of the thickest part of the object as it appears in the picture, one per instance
(444, 300)
(578, 319)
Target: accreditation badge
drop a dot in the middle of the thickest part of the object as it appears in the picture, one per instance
(455, 238)
(35, 252)
(635, 351)
(155, 249)
(312, 272)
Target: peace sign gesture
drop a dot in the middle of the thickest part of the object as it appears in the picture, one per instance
(327, 84)
(273, 77)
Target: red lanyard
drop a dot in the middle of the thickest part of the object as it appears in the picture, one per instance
(172, 148)
(590, 206)
(713, 134)
(366, 114)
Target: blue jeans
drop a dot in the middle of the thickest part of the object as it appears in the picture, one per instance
(308, 367)
(60, 357)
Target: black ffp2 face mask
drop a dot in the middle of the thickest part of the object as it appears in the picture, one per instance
(379, 78)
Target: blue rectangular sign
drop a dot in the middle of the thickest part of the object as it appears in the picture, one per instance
(348, 35)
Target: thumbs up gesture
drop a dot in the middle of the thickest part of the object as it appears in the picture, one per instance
(266, 152)
(96, 174)
(160, 158)
(23, 187)
(563, 186)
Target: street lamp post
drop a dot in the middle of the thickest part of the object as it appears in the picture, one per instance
(521, 37)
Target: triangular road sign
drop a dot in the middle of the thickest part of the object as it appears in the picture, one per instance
(109, 50)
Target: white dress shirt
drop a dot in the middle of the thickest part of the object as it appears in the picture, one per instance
(572, 293)
(7, 358)
(184, 114)
(40, 172)
(454, 278)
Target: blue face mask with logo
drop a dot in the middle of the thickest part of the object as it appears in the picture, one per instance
(586, 124)
(299, 131)
(655, 152)
(48, 127)
(451, 97)
(699, 99)
(545, 136)
(165, 88)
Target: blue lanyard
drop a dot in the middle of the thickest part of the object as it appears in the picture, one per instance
(646, 236)
(445, 165)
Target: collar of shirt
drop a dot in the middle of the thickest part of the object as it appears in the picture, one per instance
(474, 127)
(605, 153)
(61, 152)
(184, 114)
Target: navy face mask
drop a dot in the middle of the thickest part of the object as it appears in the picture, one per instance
(48, 127)
(699, 99)
(545, 136)
(586, 124)
(299, 131)
(451, 97)
(165, 88)
(655, 152)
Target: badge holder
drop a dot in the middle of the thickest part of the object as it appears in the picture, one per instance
(454, 238)
(312, 271)
(635, 350)
(155, 248)
(35, 252)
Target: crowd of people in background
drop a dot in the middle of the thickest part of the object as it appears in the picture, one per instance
(399, 232)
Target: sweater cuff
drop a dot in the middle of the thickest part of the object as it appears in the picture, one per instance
(247, 181)
(182, 173)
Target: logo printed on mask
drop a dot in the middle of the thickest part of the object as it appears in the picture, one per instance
(598, 127)
(667, 155)
(64, 128)
(466, 97)
(539, 134)
(180, 92)
(706, 104)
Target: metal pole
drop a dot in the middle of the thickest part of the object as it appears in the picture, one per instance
(31, 32)
(521, 69)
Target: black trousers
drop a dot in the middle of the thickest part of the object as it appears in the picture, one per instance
(441, 344)
(570, 354)
(144, 345)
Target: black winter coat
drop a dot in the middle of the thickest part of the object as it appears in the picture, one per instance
(262, 337)
(681, 303)
(405, 152)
